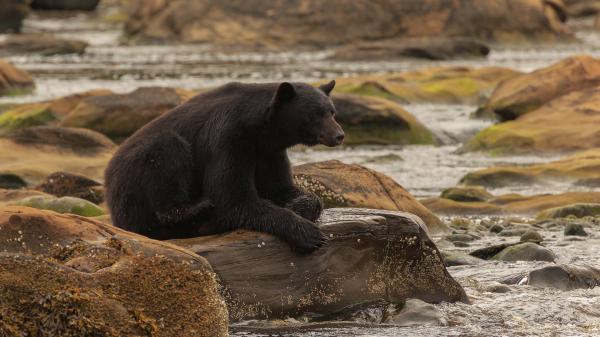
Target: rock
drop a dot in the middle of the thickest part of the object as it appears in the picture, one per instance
(565, 277)
(496, 287)
(513, 232)
(459, 85)
(34, 153)
(119, 116)
(277, 25)
(12, 14)
(527, 92)
(579, 8)
(76, 277)
(374, 120)
(11, 181)
(11, 196)
(526, 251)
(575, 229)
(68, 5)
(344, 185)
(510, 204)
(13, 81)
(415, 312)
(370, 255)
(489, 252)
(427, 48)
(566, 124)
(496, 228)
(467, 194)
(584, 165)
(62, 205)
(590, 182)
(578, 210)
(25, 116)
(460, 259)
(63, 184)
(44, 44)
(532, 236)
(460, 238)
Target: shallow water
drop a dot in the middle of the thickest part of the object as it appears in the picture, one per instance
(423, 170)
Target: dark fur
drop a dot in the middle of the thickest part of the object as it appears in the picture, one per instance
(219, 162)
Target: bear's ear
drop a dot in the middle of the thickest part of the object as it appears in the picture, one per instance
(327, 88)
(285, 92)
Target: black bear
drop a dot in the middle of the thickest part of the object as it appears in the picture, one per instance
(218, 162)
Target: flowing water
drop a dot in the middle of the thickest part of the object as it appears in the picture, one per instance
(423, 170)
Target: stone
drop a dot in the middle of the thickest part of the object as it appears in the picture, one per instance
(525, 252)
(69, 205)
(76, 276)
(12, 14)
(345, 185)
(63, 184)
(532, 236)
(578, 210)
(68, 5)
(496, 228)
(454, 258)
(415, 312)
(43, 44)
(575, 229)
(14, 81)
(375, 120)
(467, 194)
(370, 255)
(565, 277)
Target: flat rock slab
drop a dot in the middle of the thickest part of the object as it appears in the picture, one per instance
(371, 255)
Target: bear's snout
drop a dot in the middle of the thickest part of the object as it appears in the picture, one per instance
(333, 134)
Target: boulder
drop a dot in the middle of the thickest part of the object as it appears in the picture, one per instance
(68, 5)
(63, 184)
(575, 168)
(34, 153)
(120, 115)
(12, 14)
(69, 205)
(370, 255)
(526, 251)
(11, 196)
(532, 236)
(467, 194)
(415, 312)
(460, 259)
(316, 24)
(461, 85)
(344, 185)
(566, 124)
(510, 204)
(14, 81)
(575, 229)
(578, 210)
(527, 92)
(25, 116)
(43, 44)
(424, 48)
(565, 277)
(65, 275)
(374, 120)
(579, 8)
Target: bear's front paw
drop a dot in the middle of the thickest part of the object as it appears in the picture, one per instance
(308, 238)
(308, 206)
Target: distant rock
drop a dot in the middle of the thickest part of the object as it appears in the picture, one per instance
(579, 8)
(575, 229)
(578, 210)
(80, 277)
(467, 194)
(525, 252)
(63, 184)
(374, 120)
(345, 185)
(69, 205)
(69, 5)
(267, 24)
(12, 14)
(14, 81)
(43, 44)
(532, 236)
(454, 258)
(565, 277)
(415, 312)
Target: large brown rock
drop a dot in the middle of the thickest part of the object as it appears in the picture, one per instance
(120, 115)
(65, 275)
(579, 169)
(344, 185)
(370, 255)
(567, 124)
(315, 23)
(13, 80)
(12, 14)
(460, 85)
(527, 92)
(44, 44)
(32, 154)
(374, 120)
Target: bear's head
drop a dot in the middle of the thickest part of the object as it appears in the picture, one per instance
(305, 115)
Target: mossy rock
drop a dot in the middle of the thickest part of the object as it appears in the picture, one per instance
(577, 210)
(70, 205)
(467, 194)
(526, 251)
(26, 116)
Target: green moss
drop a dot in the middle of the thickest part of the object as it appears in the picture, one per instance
(366, 134)
(576, 210)
(17, 91)
(63, 205)
(26, 116)
(368, 89)
(453, 87)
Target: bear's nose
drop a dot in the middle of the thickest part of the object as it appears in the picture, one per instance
(340, 138)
